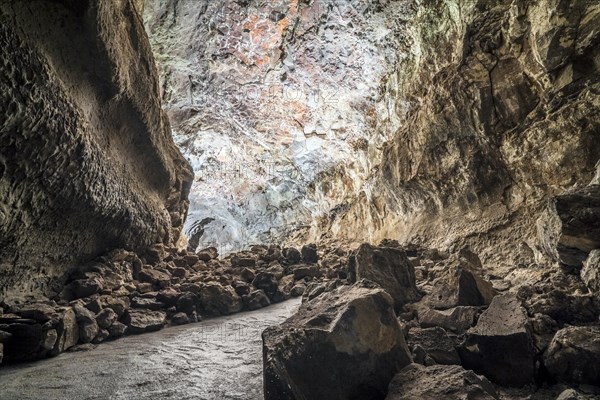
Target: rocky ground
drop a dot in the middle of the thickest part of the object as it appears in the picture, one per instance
(429, 318)
(123, 293)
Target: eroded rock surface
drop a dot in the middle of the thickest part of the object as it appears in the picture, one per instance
(87, 158)
(344, 344)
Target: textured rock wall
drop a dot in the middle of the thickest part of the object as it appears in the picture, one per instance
(503, 115)
(87, 161)
(277, 104)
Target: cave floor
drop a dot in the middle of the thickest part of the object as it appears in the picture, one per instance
(215, 359)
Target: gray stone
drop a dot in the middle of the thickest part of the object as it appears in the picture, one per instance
(389, 268)
(140, 321)
(68, 332)
(440, 382)
(457, 319)
(216, 299)
(500, 346)
(117, 329)
(180, 318)
(436, 343)
(574, 355)
(309, 254)
(257, 299)
(345, 344)
(106, 318)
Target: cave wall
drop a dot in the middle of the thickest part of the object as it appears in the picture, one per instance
(504, 113)
(87, 161)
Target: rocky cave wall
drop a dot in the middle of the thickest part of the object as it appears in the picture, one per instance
(504, 113)
(87, 161)
(278, 105)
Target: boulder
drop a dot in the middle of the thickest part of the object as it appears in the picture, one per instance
(457, 319)
(140, 321)
(390, 268)
(49, 337)
(168, 296)
(68, 332)
(88, 327)
(117, 329)
(216, 299)
(267, 282)
(180, 318)
(147, 303)
(106, 318)
(37, 311)
(155, 277)
(500, 346)
(243, 262)
(574, 355)
(292, 255)
(309, 254)
(461, 287)
(247, 275)
(24, 343)
(345, 344)
(298, 290)
(440, 382)
(86, 287)
(118, 304)
(436, 344)
(187, 303)
(304, 271)
(255, 300)
(590, 273)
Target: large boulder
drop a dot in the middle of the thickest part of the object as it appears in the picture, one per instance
(440, 382)
(460, 286)
(433, 343)
(86, 320)
(391, 269)
(574, 355)
(140, 321)
(216, 299)
(500, 346)
(345, 344)
(67, 331)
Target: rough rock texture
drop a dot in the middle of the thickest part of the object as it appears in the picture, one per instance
(390, 269)
(501, 108)
(277, 104)
(440, 382)
(590, 273)
(87, 161)
(345, 344)
(500, 346)
(574, 355)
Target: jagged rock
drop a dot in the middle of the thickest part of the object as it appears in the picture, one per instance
(309, 254)
(566, 307)
(292, 255)
(297, 290)
(500, 346)
(313, 290)
(187, 303)
(436, 344)
(155, 277)
(590, 273)
(574, 355)
(117, 329)
(257, 299)
(68, 332)
(215, 299)
(248, 275)
(303, 271)
(267, 282)
(37, 311)
(140, 321)
(241, 288)
(437, 382)
(169, 296)
(147, 303)
(460, 287)
(86, 287)
(345, 344)
(179, 272)
(180, 318)
(88, 327)
(210, 253)
(243, 262)
(457, 319)
(102, 335)
(118, 304)
(24, 343)
(105, 318)
(390, 268)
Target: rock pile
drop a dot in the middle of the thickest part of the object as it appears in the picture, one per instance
(126, 293)
(468, 335)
